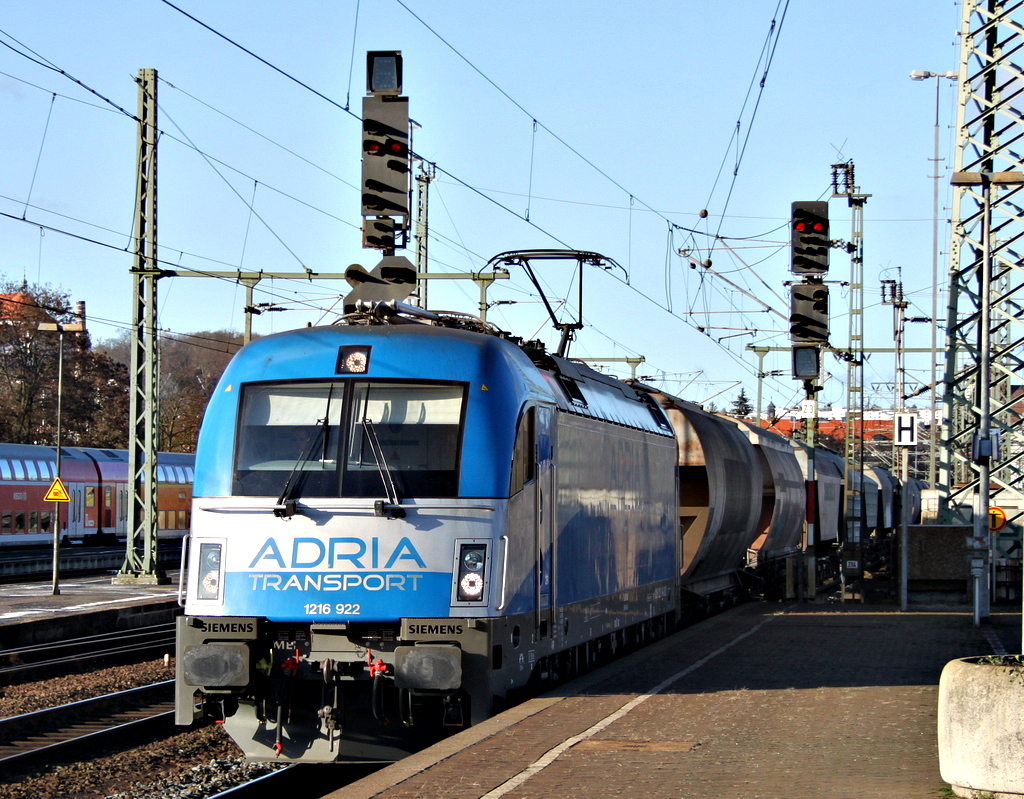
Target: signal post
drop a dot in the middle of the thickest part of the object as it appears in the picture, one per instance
(808, 329)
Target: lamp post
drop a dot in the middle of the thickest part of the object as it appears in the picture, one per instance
(60, 328)
(920, 74)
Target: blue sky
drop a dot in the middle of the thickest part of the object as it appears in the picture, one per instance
(646, 114)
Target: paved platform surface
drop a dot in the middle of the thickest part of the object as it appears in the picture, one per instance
(24, 601)
(764, 701)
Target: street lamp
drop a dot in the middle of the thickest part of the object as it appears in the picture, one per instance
(60, 328)
(933, 445)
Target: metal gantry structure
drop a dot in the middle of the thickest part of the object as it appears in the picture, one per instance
(985, 321)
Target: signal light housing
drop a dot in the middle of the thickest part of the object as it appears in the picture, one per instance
(208, 580)
(806, 362)
(384, 72)
(810, 238)
(386, 175)
(471, 572)
(808, 318)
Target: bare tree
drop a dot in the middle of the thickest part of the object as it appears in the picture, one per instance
(94, 399)
(190, 366)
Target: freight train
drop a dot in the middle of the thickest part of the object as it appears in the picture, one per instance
(98, 488)
(403, 520)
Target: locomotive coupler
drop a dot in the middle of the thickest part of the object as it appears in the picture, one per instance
(452, 712)
(331, 715)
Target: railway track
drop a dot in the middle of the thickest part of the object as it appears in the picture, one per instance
(140, 643)
(316, 781)
(36, 564)
(82, 726)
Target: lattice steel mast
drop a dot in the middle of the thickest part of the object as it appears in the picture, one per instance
(844, 185)
(990, 127)
(140, 564)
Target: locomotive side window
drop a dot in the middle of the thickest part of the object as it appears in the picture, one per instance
(341, 439)
(524, 459)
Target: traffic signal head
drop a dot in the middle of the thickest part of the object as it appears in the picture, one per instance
(810, 239)
(384, 72)
(386, 178)
(379, 233)
(806, 362)
(808, 317)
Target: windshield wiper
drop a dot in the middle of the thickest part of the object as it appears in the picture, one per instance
(285, 507)
(390, 509)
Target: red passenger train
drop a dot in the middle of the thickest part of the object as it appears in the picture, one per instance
(97, 483)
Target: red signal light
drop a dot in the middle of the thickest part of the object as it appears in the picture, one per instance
(810, 245)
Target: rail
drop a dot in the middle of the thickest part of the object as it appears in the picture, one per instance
(105, 645)
(38, 735)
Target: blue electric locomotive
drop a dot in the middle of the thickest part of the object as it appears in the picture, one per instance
(404, 521)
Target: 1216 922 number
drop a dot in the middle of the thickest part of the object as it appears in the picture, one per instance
(325, 609)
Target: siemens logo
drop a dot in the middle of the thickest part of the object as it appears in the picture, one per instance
(435, 629)
(229, 627)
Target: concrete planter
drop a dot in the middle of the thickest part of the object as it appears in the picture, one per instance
(981, 728)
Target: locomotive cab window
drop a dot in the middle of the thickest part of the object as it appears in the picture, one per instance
(410, 431)
(343, 439)
(284, 429)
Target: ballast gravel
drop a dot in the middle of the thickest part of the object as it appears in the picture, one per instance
(192, 764)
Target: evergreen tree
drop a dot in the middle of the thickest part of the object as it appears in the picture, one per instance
(741, 406)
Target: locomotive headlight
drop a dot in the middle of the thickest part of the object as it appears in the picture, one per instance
(473, 559)
(470, 587)
(209, 571)
(353, 360)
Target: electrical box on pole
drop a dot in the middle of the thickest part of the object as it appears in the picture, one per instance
(810, 241)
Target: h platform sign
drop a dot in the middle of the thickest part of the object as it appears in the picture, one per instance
(905, 430)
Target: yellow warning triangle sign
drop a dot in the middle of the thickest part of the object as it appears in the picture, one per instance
(57, 492)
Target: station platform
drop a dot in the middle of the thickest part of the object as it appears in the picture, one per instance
(786, 701)
(30, 614)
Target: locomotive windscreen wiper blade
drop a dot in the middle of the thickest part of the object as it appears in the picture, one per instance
(382, 464)
(285, 507)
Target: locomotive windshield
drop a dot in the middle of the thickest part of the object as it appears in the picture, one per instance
(349, 439)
